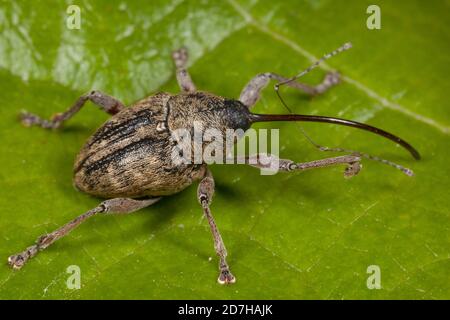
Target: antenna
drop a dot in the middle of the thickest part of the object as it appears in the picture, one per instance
(327, 56)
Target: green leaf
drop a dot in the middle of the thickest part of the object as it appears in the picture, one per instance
(308, 235)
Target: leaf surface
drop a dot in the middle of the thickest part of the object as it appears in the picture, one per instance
(308, 235)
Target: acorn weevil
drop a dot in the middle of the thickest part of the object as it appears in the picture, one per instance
(128, 159)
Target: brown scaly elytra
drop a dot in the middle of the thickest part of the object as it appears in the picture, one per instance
(129, 159)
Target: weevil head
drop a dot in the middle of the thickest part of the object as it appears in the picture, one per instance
(236, 114)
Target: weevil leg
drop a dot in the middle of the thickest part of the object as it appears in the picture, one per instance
(107, 103)
(111, 206)
(268, 161)
(205, 193)
(180, 58)
(252, 91)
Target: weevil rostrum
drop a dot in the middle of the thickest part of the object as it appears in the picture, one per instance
(127, 161)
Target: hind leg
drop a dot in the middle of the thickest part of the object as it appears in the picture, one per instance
(112, 206)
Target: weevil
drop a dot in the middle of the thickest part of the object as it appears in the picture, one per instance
(127, 161)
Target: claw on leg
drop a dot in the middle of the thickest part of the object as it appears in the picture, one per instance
(352, 169)
(226, 277)
(17, 261)
(29, 119)
(331, 79)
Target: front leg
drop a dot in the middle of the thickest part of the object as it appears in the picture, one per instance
(107, 103)
(205, 193)
(252, 91)
(250, 94)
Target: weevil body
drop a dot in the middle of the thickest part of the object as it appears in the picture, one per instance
(129, 162)
(131, 154)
